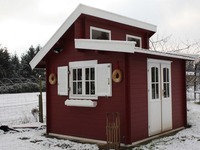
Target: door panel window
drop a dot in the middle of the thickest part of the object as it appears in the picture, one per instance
(166, 82)
(155, 82)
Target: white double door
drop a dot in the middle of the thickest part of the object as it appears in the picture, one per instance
(159, 96)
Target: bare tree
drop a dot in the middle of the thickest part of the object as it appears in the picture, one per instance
(167, 44)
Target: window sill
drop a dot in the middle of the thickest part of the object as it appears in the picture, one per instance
(80, 103)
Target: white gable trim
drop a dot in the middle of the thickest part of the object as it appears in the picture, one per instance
(82, 9)
(122, 46)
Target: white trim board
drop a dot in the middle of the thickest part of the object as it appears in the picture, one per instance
(77, 138)
(105, 45)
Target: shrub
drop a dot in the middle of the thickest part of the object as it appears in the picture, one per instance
(21, 88)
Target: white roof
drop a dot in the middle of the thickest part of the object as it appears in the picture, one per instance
(122, 46)
(82, 9)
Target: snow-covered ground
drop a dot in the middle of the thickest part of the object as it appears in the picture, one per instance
(16, 109)
(187, 139)
(34, 139)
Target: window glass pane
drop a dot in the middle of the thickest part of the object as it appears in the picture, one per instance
(92, 88)
(153, 91)
(87, 88)
(74, 74)
(74, 87)
(167, 90)
(156, 74)
(153, 74)
(157, 91)
(167, 78)
(79, 74)
(79, 87)
(96, 34)
(87, 73)
(92, 74)
(164, 75)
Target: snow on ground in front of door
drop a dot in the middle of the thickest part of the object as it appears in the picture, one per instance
(185, 139)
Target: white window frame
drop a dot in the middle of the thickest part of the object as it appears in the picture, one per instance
(135, 37)
(80, 64)
(99, 29)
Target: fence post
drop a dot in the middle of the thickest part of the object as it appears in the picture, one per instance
(40, 101)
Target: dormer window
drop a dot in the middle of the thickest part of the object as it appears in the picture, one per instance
(136, 39)
(100, 34)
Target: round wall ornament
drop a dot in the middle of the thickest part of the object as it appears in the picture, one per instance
(117, 75)
(52, 79)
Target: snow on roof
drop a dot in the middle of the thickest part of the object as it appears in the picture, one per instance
(82, 9)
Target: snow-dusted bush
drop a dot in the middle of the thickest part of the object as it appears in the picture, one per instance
(21, 88)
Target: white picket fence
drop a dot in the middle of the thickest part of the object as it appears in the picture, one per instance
(17, 108)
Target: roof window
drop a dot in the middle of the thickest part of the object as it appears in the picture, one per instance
(136, 39)
(100, 34)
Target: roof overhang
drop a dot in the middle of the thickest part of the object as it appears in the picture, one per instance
(82, 9)
(123, 47)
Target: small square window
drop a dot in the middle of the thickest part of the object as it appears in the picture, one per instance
(136, 39)
(88, 80)
(100, 34)
(83, 81)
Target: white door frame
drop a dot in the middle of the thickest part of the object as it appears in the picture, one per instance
(159, 100)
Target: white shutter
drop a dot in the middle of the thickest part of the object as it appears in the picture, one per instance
(103, 80)
(63, 80)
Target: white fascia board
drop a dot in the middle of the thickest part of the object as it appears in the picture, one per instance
(117, 18)
(164, 54)
(105, 45)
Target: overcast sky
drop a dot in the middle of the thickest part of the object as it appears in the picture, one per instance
(31, 22)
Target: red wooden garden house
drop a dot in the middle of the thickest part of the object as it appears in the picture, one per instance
(80, 58)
